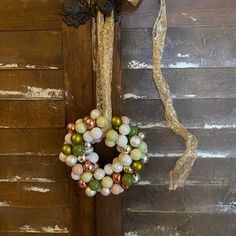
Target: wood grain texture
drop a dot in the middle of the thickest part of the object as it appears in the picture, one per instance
(30, 50)
(185, 13)
(185, 48)
(32, 114)
(208, 172)
(212, 142)
(79, 103)
(34, 219)
(31, 141)
(193, 113)
(31, 85)
(184, 83)
(179, 224)
(34, 194)
(31, 169)
(33, 234)
(30, 15)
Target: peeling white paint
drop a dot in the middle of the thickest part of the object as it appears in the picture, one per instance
(182, 55)
(55, 229)
(226, 207)
(150, 125)
(28, 229)
(53, 67)
(30, 66)
(37, 189)
(19, 179)
(32, 92)
(144, 182)
(8, 66)
(134, 233)
(132, 96)
(134, 64)
(206, 126)
(4, 204)
(184, 14)
(193, 18)
(183, 65)
(184, 96)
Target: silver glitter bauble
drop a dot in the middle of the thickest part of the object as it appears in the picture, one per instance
(128, 170)
(82, 159)
(136, 177)
(87, 145)
(142, 135)
(145, 158)
(88, 150)
(126, 150)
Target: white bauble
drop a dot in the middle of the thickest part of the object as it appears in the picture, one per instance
(68, 138)
(135, 141)
(125, 160)
(74, 176)
(62, 157)
(71, 160)
(87, 137)
(115, 160)
(117, 167)
(122, 141)
(124, 129)
(94, 114)
(108, 169)
(79, 121)
(105, 191)
(96, 133)
(93, 157)
(99, 174)
(125, 120)
(89, 192)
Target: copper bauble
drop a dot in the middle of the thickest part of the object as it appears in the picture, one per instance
(90, 123)
(82, 184)
(88, 166)
(70, 127)
(86, 118)
(116, 177)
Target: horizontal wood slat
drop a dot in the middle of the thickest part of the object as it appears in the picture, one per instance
(31, 169)
(212, 142)
(31, 85)
(33, 234)
(37, 220)
(34, 195)
(184, 13)
(30, 50)
(178, 224)
(193, 113)
(185, 48)
(205, 172)
(193, 199)
(30, 15)
(32, 114)
(31, 141)
(184, 83)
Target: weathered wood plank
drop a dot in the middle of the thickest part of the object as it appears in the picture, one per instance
(30, 50)
(32, 114)
(184, 83)
(34, 194)
(185, 13)
(185, 48)
(31, 85)
(31, 141)
(30, 15)
(193, 113)
(205, 172)
(179, 224)
(31, 169)
(33, 234)
(34, 220)
(212, 142)
(79, 86)
(204, 199)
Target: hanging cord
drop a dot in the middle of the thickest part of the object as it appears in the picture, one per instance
(183, 167)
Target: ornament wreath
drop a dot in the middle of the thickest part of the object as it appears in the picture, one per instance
(78, 152)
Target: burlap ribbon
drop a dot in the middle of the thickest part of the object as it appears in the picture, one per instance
(103, 38)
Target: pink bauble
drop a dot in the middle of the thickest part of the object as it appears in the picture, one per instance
(125, 120)
(116, 189)
(77, 169)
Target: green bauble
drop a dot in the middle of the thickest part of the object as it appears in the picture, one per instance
(116, 121)
(94, 185)
(76, 138)
(128, 180)
(112, 135)
(133, 131)
(78, 150)
(66, 149)
(143, 147)
(137, 166)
